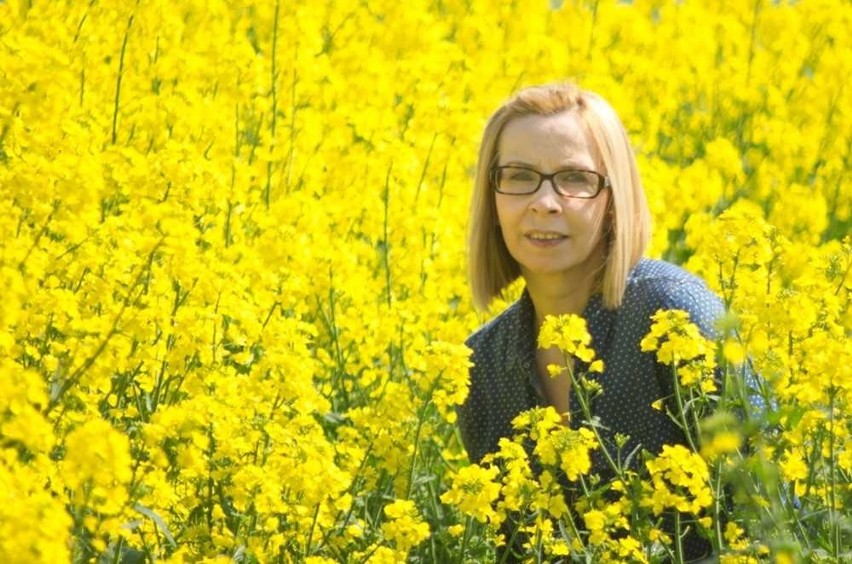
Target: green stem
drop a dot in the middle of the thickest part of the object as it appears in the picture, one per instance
(356, 481)
(386, 235)
(592, 30)
(56, 397)
(587, 413)
(41, 233)
(466, 539)
(425, 168)
(274, 91)
(833, 518)
(311, 531)
(574, 528)
(678, 542)
(681, 412)
(118, 80)
(511, 540)
(210, 482)
(752, 40)
(718, 495)
(82, 84)
(291, 152)
(842, 282)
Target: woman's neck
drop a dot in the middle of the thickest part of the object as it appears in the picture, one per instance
(551, 297)
(567, 291)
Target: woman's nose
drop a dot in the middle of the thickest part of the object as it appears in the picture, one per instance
(546, 199)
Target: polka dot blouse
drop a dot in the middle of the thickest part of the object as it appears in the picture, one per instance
(504, 381)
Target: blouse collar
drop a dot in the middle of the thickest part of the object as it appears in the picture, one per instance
(599, 322)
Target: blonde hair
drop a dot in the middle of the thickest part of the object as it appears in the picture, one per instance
(491, 267)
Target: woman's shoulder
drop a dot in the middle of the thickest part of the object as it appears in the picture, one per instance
(664, 277)
(507, 324)
(656, 284)
(659, 272)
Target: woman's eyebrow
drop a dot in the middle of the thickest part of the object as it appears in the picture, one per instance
(565, 165)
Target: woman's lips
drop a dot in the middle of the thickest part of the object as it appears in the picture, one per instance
(545, 238)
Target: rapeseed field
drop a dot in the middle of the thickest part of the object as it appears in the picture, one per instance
(232, 253)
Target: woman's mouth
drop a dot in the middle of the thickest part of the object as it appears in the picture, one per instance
(545, 238)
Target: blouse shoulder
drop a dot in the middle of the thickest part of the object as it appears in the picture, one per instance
(655, 284)
(506, 323)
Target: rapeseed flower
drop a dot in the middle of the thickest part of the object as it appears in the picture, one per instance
(678, 342)
(474, 490)
(97, 466)
(569, 334)
(680, 480)
(404, 528)
(27, 506)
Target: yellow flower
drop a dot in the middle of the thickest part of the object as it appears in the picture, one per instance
(734, 536)
(720, 444)
(569, 334)
(98, 466)
(678, 342)
(793, 466)
(404, 527)
(474, 491)
(595, 523)
(734, 352)
(680, 480)
(574, 450)
(34, 522)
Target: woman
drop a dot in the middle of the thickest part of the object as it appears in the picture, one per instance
(558, 202)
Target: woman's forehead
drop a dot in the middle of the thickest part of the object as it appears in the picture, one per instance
(552, 140)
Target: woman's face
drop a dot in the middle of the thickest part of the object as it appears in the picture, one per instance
(552, 237)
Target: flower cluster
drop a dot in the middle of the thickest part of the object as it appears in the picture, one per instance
(680, 481)
(569, 334)
(678, 342)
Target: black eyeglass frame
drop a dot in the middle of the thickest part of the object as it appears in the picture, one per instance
(603, 181)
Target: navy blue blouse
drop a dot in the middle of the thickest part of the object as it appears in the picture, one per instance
(504, 381)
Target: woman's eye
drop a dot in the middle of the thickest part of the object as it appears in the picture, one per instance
(573, 177)
(521, 175)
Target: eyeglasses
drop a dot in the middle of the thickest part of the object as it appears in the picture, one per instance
(522, 181)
